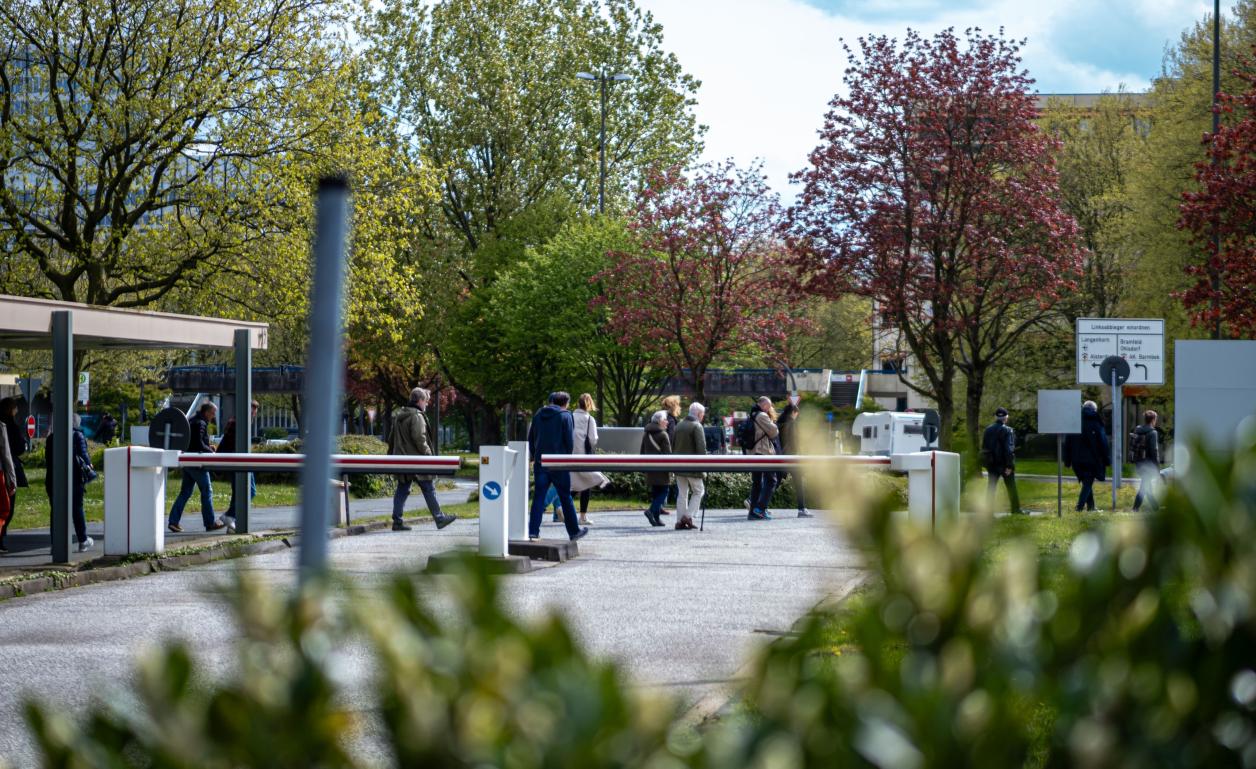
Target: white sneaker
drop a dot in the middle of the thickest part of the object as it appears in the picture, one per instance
(86, 545)
(229, 520)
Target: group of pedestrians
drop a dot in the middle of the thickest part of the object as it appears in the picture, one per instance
(1088, 453)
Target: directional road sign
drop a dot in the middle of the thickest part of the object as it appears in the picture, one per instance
(1139, 341)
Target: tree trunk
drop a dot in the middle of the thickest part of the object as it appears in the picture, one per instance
(973, 391)
(490, 425)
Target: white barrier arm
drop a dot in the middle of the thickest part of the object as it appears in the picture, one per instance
(712, 463)
(341, 463)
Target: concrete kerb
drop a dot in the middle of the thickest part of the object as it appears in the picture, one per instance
(108, 568)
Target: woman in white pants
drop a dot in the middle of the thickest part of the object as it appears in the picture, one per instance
(585, 443)
(690, 439)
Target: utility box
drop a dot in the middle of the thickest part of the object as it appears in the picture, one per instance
(884, 433)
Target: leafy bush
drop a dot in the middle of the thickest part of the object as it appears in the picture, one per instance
(1137, 654)
(36, 458)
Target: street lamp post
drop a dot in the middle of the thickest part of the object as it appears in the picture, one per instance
(603, 80)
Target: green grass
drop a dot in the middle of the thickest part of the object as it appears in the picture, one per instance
(33, 510)
(1048, 467)
(1040, 496)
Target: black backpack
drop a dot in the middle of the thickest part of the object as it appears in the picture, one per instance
(1138, 446)
(746, 433)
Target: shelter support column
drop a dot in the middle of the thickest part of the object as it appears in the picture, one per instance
(61, 464)
(244, 425)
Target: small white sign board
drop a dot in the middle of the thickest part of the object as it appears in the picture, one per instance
(1059, 412)
(1139, 340)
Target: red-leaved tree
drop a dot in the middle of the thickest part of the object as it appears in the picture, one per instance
(1226, 200)
(708, 278)
(934, 193)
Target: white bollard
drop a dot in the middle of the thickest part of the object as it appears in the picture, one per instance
(497, 464)
(517, 526)
(135, 499)
(933, 484)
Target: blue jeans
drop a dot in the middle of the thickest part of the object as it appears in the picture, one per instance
(429, 496)
(194, 478)
(658, 496)
(560, 480)
(762, 487)
(1086, 499)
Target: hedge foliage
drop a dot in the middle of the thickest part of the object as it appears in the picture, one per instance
(1138, 653)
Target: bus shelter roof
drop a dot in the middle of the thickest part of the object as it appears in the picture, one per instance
(25, 323)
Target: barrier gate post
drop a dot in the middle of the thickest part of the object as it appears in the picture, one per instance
(497, 465)
(517, 524)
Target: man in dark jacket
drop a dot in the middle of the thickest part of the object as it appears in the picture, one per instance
(1146, 455)
(552, 432)
(1087, 453)
(198, 443)
(998, 454)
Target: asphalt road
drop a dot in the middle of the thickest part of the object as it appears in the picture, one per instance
(680, 610)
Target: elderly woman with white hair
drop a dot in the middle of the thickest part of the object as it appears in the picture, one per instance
(690, 439)
(655, 441)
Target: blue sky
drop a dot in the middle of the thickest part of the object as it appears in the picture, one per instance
(769, 67)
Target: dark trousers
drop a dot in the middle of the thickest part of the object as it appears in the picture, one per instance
(584, 501)
(560, 480)
(429, 496)
(672, 492)
(762, 487)
(231, 513)
(1086, 499)
(76, 513)
(798, 495)
(1009, 480)
(194, 479)
(658, 497)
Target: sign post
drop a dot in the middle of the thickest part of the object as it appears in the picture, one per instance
(1116, 371)
(1059, 412)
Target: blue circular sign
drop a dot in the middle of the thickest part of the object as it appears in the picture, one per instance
(492, 490)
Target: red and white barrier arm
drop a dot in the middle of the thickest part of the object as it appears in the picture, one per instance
(341, 463)
(709, 463)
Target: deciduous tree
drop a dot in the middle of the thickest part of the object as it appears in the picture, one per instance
(708, 277)
(934, 193)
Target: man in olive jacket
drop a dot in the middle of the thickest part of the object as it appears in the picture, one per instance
(690, 439)
(409, 437)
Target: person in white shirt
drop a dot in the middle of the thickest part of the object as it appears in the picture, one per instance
(585, 443)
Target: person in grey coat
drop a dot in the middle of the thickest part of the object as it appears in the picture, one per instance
(409, 437)
(690, 439)
(655, 441)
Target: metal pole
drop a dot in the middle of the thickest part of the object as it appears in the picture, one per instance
(1216, 125)
(1116, 437)
(601, 179)
(62, 461)
(1059, 476)
(323, 379)
(244, 425)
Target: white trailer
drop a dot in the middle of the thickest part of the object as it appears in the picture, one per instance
(883, 433)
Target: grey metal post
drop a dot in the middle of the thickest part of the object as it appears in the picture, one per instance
(244, 425)
(324, 375)
(62, 464)
(1116, 437)
(1059, 476)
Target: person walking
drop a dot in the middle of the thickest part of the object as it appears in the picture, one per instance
(1145, 454)
(998, 454)
(108, 429)
(1087, 453)
(763, 484)
(409, 438)
(552, 432)
(195, 477)
(228, 445)
(8, 487)
(788, 427)
(15, 438)
(656, 442)
(671, 404)
(584, 441)
(690, 439)
(81, 474)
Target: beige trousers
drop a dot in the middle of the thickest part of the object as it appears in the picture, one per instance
(686, 505)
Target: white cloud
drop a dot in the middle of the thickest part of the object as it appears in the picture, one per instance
(769, 67)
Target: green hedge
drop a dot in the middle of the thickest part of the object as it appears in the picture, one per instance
(360, 485)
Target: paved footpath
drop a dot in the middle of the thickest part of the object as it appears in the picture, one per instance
(680, 610)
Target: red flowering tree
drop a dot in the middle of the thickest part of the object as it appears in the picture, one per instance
(1226, 200)
(708, 278)
(934, 193)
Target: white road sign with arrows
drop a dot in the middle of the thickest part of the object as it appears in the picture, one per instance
(1139, 341)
